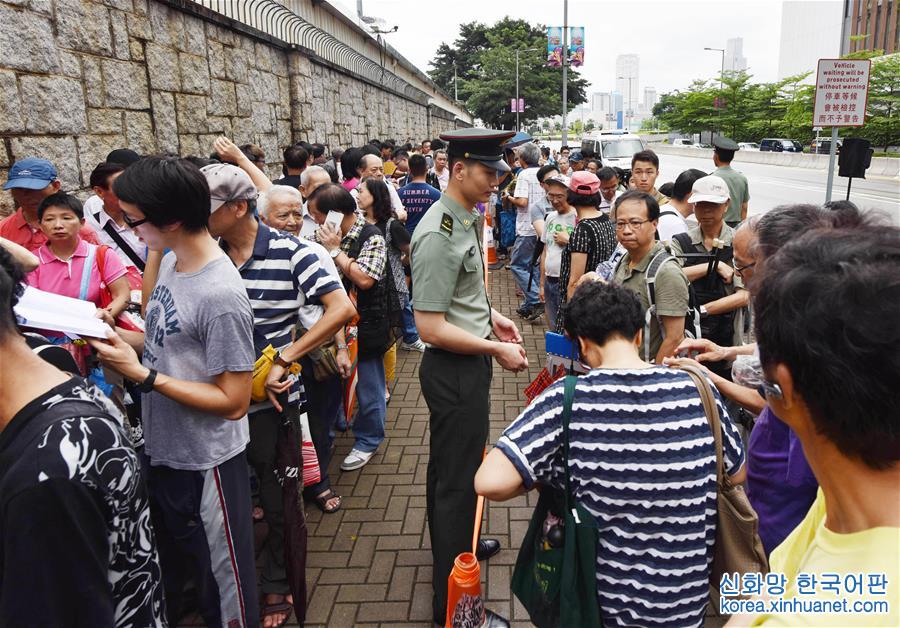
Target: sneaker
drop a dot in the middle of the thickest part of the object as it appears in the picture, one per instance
(418, 345)
(523, 310)
(356, 459)
(536, 312)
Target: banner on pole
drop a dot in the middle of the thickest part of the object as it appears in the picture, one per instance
(576, 46)
(554, 46)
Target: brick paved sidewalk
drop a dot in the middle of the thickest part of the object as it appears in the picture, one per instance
(370, 563)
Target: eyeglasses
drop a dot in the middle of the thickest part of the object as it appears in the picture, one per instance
(131, 222)
(634, 224)
(771, 389)
(740, 269)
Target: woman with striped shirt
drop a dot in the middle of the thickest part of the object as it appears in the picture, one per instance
(642, 461)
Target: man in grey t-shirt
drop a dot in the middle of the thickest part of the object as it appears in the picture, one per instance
(196, 378)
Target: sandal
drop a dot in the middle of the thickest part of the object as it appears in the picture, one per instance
(322, 502)
(281, 608)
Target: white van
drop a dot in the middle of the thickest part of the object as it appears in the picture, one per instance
(612, 148)
(680, 141)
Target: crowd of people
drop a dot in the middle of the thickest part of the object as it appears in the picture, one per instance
(249, 312)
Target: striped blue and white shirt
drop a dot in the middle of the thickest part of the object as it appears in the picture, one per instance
(642, 461)
(282, 275)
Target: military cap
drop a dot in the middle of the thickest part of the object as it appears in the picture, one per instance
(484, 145)
(725, 143)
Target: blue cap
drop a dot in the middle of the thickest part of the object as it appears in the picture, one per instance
(576, 156)
(32, 174)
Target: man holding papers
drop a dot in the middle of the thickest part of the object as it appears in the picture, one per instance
(196, 375)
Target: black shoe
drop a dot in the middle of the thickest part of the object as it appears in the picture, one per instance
(493, 620)
(536, 312)
(487, 548)
(523, 310)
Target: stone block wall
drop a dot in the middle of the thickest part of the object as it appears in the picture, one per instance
(79, 78)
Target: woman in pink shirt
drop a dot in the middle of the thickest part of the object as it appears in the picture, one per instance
(69, 266)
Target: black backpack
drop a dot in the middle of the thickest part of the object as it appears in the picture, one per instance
(692, 328)
(710, 287)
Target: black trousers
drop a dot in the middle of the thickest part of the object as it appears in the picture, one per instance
(264, 426)
(457, 390)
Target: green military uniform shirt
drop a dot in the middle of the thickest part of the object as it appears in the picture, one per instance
(738, 191)
(448, 268)
(726, 235)
(671, 290)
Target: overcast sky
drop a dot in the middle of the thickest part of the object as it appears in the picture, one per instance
(669, 35)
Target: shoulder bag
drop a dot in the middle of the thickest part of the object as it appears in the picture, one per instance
(555, 577)
(738, 547)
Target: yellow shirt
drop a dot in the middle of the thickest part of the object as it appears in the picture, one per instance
(813, 549)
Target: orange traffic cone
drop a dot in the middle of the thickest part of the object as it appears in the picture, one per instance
(489, 247)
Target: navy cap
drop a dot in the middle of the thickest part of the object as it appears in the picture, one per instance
(576, 156)
(122, 156)
(725, 143)
(484, 145)
(31, 173)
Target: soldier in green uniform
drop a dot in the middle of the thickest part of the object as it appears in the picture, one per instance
(738, 188)
(454, 317)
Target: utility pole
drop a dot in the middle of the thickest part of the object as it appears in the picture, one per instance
(565, 78)
(719, 106)
(455, 84)
(832, 150)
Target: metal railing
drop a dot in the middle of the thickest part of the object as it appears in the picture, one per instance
(283, 24)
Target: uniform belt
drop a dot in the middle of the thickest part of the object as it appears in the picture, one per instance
(452, 354)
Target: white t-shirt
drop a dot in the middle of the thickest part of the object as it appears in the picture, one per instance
(605, 205)
(552, 223)
(96, 217)
(442, 177)
(527, 186)
(310, 314)
(671, 223)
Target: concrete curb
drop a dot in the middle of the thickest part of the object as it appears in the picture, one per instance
(881, 166)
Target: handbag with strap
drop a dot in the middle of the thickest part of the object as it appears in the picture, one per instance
(555, 577)
(738, 547)
(124, 320)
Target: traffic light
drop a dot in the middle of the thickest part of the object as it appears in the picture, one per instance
(855, 157)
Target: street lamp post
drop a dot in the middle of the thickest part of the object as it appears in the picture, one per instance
(721, 75)
(455, 84)
(517, 82)
(565, 77)
(630, 101)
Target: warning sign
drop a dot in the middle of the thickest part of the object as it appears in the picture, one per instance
(842, 89)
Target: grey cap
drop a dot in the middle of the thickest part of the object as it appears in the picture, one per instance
(227, 183)
(725, 143)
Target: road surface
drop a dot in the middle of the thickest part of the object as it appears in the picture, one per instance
(771, 186)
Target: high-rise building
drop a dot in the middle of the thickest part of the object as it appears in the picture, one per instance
(650, 99)
(627, 79)
(810, 30)
(734, 55)
(873, 26)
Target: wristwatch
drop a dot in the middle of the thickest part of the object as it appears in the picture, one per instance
(147, 385)
(703, 311)
(280, 361)
(340, 347)
(335, 252)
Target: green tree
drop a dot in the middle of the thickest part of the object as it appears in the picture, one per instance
(882, 126)
(486, 71)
